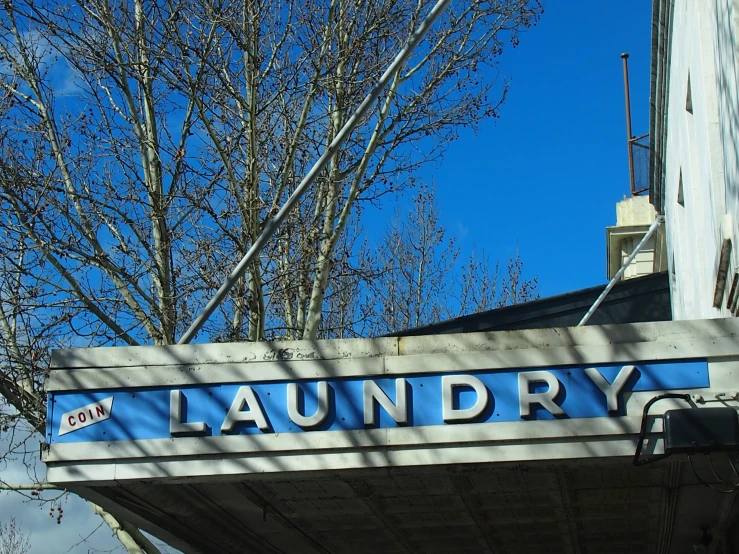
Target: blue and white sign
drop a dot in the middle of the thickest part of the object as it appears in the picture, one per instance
(361, 403)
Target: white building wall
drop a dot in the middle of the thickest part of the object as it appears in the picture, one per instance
(726, 45)
(634, 216)
(643, 263)
(701, 168)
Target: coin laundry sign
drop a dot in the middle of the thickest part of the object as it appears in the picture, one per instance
(361, 403)
(85, 416)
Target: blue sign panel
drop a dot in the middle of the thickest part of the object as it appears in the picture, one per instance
(361, 403)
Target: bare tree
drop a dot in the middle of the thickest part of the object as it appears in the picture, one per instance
(418, 278)
(12, 538)
(416, 258)
(349, 310)
(144, 145)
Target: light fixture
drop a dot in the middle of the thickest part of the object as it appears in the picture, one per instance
(691, 431)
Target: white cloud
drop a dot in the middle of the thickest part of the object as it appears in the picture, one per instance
(79, 531)
(462, 230)
(51, 60)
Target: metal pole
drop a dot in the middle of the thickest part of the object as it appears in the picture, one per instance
(629, 136)
(274, 224)
(656, 223)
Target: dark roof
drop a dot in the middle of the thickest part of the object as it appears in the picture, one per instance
(636, 300)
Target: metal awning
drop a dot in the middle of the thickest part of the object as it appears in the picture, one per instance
(396, 465)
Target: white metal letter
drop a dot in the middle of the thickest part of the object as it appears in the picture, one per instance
(398, 410)
(177, 427)
(294, 412)
(611, 390)
(545, 399)
(448, 412)
(236, 414)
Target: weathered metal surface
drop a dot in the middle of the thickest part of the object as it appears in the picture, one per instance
(543, 485)
(609, 508)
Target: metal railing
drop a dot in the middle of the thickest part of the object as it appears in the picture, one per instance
(639, 153)
(638, 146)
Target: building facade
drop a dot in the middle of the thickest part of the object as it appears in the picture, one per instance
(695, 166)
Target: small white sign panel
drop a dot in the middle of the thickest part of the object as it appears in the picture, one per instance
(85, 416)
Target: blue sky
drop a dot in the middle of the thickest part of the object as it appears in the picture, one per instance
(546, 176)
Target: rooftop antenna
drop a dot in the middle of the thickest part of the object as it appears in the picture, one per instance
(273, 224)
(629, 136)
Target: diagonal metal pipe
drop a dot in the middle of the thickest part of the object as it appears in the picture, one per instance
(652, 228)
(273, 224)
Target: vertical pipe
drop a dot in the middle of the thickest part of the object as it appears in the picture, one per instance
(629, 135)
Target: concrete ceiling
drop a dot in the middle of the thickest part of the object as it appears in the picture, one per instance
(600, 506)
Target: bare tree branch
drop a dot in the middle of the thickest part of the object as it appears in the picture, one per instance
(144, 146)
